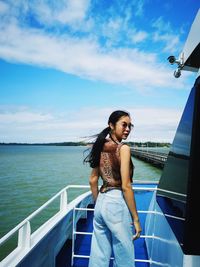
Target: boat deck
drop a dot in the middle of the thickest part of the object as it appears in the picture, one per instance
(83, 242)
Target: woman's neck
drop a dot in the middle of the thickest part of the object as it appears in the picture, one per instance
(114, 139)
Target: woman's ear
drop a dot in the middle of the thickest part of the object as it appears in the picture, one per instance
(111, 126)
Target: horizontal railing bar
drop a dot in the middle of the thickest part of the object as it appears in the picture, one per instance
(142, 211)
(90, 233)
(88, 209)
(87, 257)
(139, 211)
(144, 151)
(171, 192)
(142, 260)
(81, 256)
(149, 155)
(136, 260)
(135, 188)
(135, 181)
(78, 186)
(174, 217)
(145, 182)
(144, 188)
(83, 233)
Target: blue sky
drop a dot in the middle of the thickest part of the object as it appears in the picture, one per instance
(66, 65)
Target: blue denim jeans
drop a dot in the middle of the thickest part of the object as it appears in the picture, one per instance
(112, 232)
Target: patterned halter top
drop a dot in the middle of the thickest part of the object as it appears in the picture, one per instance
(109, 167)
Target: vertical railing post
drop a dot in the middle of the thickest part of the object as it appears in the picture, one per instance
(24, 236)
(63, 201)
(73, 235)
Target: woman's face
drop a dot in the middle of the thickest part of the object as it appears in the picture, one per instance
(122, 128)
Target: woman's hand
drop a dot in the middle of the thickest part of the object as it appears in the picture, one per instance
(138, 229)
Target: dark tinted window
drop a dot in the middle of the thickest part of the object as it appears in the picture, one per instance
(172, 188)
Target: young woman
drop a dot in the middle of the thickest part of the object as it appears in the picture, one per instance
(115, 208)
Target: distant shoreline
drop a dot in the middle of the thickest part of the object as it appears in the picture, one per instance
(47, 144)
(137, 144)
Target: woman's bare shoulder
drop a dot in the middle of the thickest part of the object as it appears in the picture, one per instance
(125, 148)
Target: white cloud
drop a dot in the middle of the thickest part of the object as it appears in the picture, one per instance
(172, 41)
(112, 28)
(155, 124)
(23, 117)
(3, 8)
(26, 125)
(161, 25)
(64, 12)
(138, 7)
(47, 12)
(165, 34)
(120, 29)
(138, 37)
(83, 57)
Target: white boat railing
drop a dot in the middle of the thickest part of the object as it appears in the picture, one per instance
(23, 229)
(74, 232)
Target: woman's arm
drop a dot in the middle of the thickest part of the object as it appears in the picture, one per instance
(125, 156)
(94, 177)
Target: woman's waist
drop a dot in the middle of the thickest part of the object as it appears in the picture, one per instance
(112, 192)
(111, 183)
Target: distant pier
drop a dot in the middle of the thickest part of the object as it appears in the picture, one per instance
(155, 158)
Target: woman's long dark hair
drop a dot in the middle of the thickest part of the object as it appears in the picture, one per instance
(94, 156)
